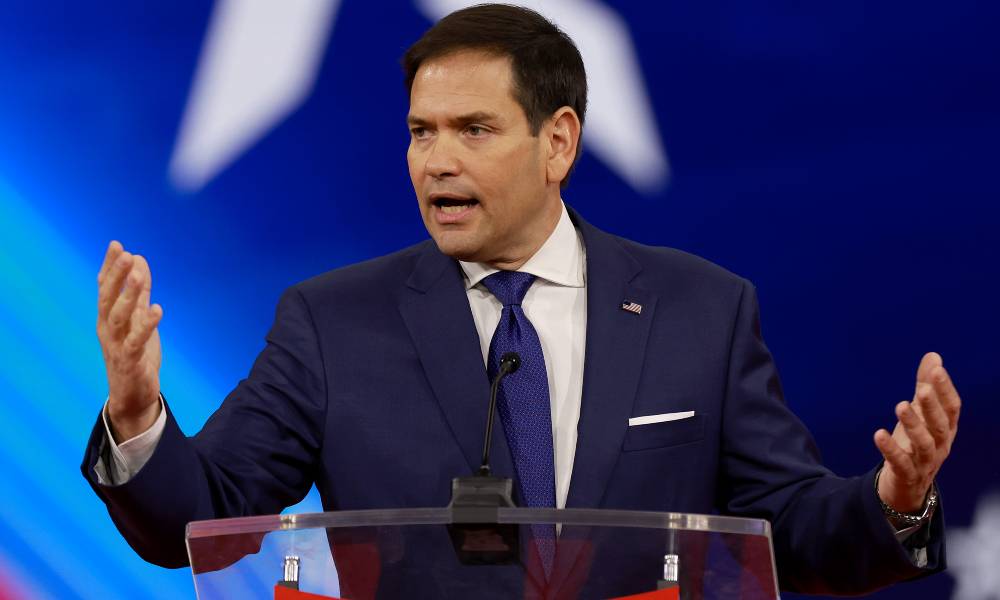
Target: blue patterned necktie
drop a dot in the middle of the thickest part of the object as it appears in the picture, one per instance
(523, 403)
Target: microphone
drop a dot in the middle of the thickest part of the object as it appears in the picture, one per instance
(475, 531)
(509, 363)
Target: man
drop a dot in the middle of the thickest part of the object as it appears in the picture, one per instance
(637, 359)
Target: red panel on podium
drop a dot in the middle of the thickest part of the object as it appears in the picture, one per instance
(670, 594)
(283, 593)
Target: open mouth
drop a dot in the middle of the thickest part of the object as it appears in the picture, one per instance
(452, 205)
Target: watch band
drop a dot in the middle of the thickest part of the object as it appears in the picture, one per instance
(909, 519)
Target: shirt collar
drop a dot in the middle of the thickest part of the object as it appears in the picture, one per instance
(560, 260)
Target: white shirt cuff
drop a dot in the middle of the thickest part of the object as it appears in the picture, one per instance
(131, 455)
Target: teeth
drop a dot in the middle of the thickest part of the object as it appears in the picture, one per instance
(450, 209)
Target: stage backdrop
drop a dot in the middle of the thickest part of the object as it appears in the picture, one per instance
(842, 156)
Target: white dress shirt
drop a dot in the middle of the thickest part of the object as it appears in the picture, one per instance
(129, 456)
(556, 305)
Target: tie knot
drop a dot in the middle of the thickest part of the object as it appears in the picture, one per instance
(509, 287)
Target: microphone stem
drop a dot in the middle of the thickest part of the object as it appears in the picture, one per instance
(484, 468)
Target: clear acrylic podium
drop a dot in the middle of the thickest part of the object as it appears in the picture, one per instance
(425, 553)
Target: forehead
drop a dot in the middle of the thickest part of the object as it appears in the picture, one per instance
(464, 81)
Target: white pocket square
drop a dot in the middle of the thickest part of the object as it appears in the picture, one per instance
(648, 419)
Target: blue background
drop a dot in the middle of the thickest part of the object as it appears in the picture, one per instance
(842, 156)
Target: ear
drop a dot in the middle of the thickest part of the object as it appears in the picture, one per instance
(563, 134)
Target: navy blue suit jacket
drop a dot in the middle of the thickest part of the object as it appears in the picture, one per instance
(372, 385)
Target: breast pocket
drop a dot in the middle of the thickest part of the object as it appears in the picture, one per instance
(661, 435)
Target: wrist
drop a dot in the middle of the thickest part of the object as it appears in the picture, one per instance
(902, 495)
(127, 424)
(911, 518)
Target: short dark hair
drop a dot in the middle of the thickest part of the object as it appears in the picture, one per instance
(546, 65)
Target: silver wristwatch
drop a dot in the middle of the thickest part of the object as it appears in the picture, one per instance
(906, 520)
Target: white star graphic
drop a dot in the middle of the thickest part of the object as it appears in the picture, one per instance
(258, 64)
(972, 554)
(260, 60)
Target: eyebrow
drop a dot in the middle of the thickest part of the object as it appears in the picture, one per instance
(460, 120)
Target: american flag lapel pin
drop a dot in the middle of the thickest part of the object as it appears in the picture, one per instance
(632, 307)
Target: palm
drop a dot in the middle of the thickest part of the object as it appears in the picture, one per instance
(127, 329)
(921, 439)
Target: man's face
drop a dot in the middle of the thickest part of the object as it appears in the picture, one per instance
(479, 174)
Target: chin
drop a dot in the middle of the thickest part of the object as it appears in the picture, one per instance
(458, 246)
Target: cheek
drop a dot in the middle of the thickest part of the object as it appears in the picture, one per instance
(532, 163)
(509, 180)
(411, 165)
(527, 176)
(416, 176)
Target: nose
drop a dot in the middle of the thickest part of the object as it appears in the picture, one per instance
(442, 158)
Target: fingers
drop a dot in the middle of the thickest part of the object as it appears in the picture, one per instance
(111, 285)
(927, 366)
(136, 283)
(125, 313)
(142, 267)
(146, 323)
(921, 441)
(928, 404)
(114, 249)
(893, 454)
(948, 397)
(937, 400)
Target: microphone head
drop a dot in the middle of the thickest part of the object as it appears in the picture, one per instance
(510, 362)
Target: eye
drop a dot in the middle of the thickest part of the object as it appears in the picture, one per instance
(418, 132)
(476, 130)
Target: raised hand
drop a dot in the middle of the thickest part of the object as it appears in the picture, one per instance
(126, 327)
(921, 440)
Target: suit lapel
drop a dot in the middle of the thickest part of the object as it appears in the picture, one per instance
(437, 314)
(613, 360)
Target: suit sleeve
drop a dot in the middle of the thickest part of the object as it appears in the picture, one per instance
(256, 455)
(830, 535)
